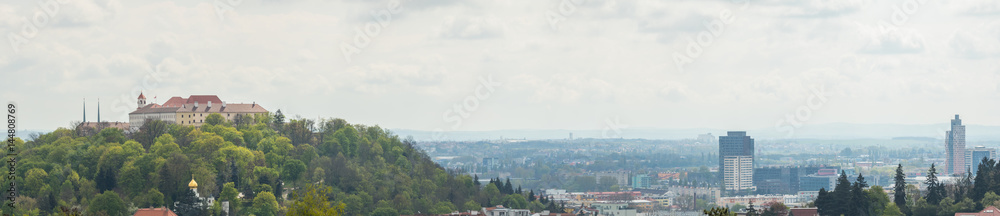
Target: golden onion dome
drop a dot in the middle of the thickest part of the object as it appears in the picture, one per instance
(193, 184)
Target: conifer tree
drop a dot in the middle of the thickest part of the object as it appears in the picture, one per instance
(935, 190)
(899, 190)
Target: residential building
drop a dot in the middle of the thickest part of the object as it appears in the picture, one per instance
(738, 173)
(614, 209)
(735, 143)
(955, 148)
(154, 212)
(803, 211)
(504, 211)
(974, 156)
(190, 111)
(758, 200)
(620, 177)
(988, 211)
(641, 181)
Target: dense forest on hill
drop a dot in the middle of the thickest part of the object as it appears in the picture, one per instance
(261, 164)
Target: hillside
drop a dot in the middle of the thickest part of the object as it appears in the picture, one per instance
(365, 170)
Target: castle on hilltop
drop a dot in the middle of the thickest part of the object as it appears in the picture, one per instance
(189, 111)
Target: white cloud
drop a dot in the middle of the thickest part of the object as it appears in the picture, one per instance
(607, 57)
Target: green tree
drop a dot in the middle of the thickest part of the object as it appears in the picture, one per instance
(215, 119)
(878, 199)
(892, 210)
(293, 169)
(385, 211)
(935, 190)
(151, 199)
(131, 180)
(860, 204)
(899, 189)
(109, 203)
(442, 207)
(229, 192)
(989, 199)
(516, 201)
(824, 203)
(312, 201)
(717, 211)
(841, 196)
(265, 204)
(472, 205)
(34, 181)
(986, 179)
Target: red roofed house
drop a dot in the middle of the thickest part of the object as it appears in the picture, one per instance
(988, 211)
(803, 211)
(154, 212)
(190, 111)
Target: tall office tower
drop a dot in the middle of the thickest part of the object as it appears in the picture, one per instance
(737, 173)
(955, 148)
(975, 156)
(735, 143)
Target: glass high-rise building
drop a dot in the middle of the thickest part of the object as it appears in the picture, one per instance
(975, 156)
(955, 148)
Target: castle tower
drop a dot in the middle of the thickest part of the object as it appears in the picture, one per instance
(142, 100)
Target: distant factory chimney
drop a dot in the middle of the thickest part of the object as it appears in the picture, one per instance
(98, 110)
(84, 110)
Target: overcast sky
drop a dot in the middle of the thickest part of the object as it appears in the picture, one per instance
(537, 64)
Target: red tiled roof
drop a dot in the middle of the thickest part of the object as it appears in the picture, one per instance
(988, 211)
(175, 102)
(141, 96)
(187, 105)
(154, 212)
(804, 211)
(229, 108)
(201, 99)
